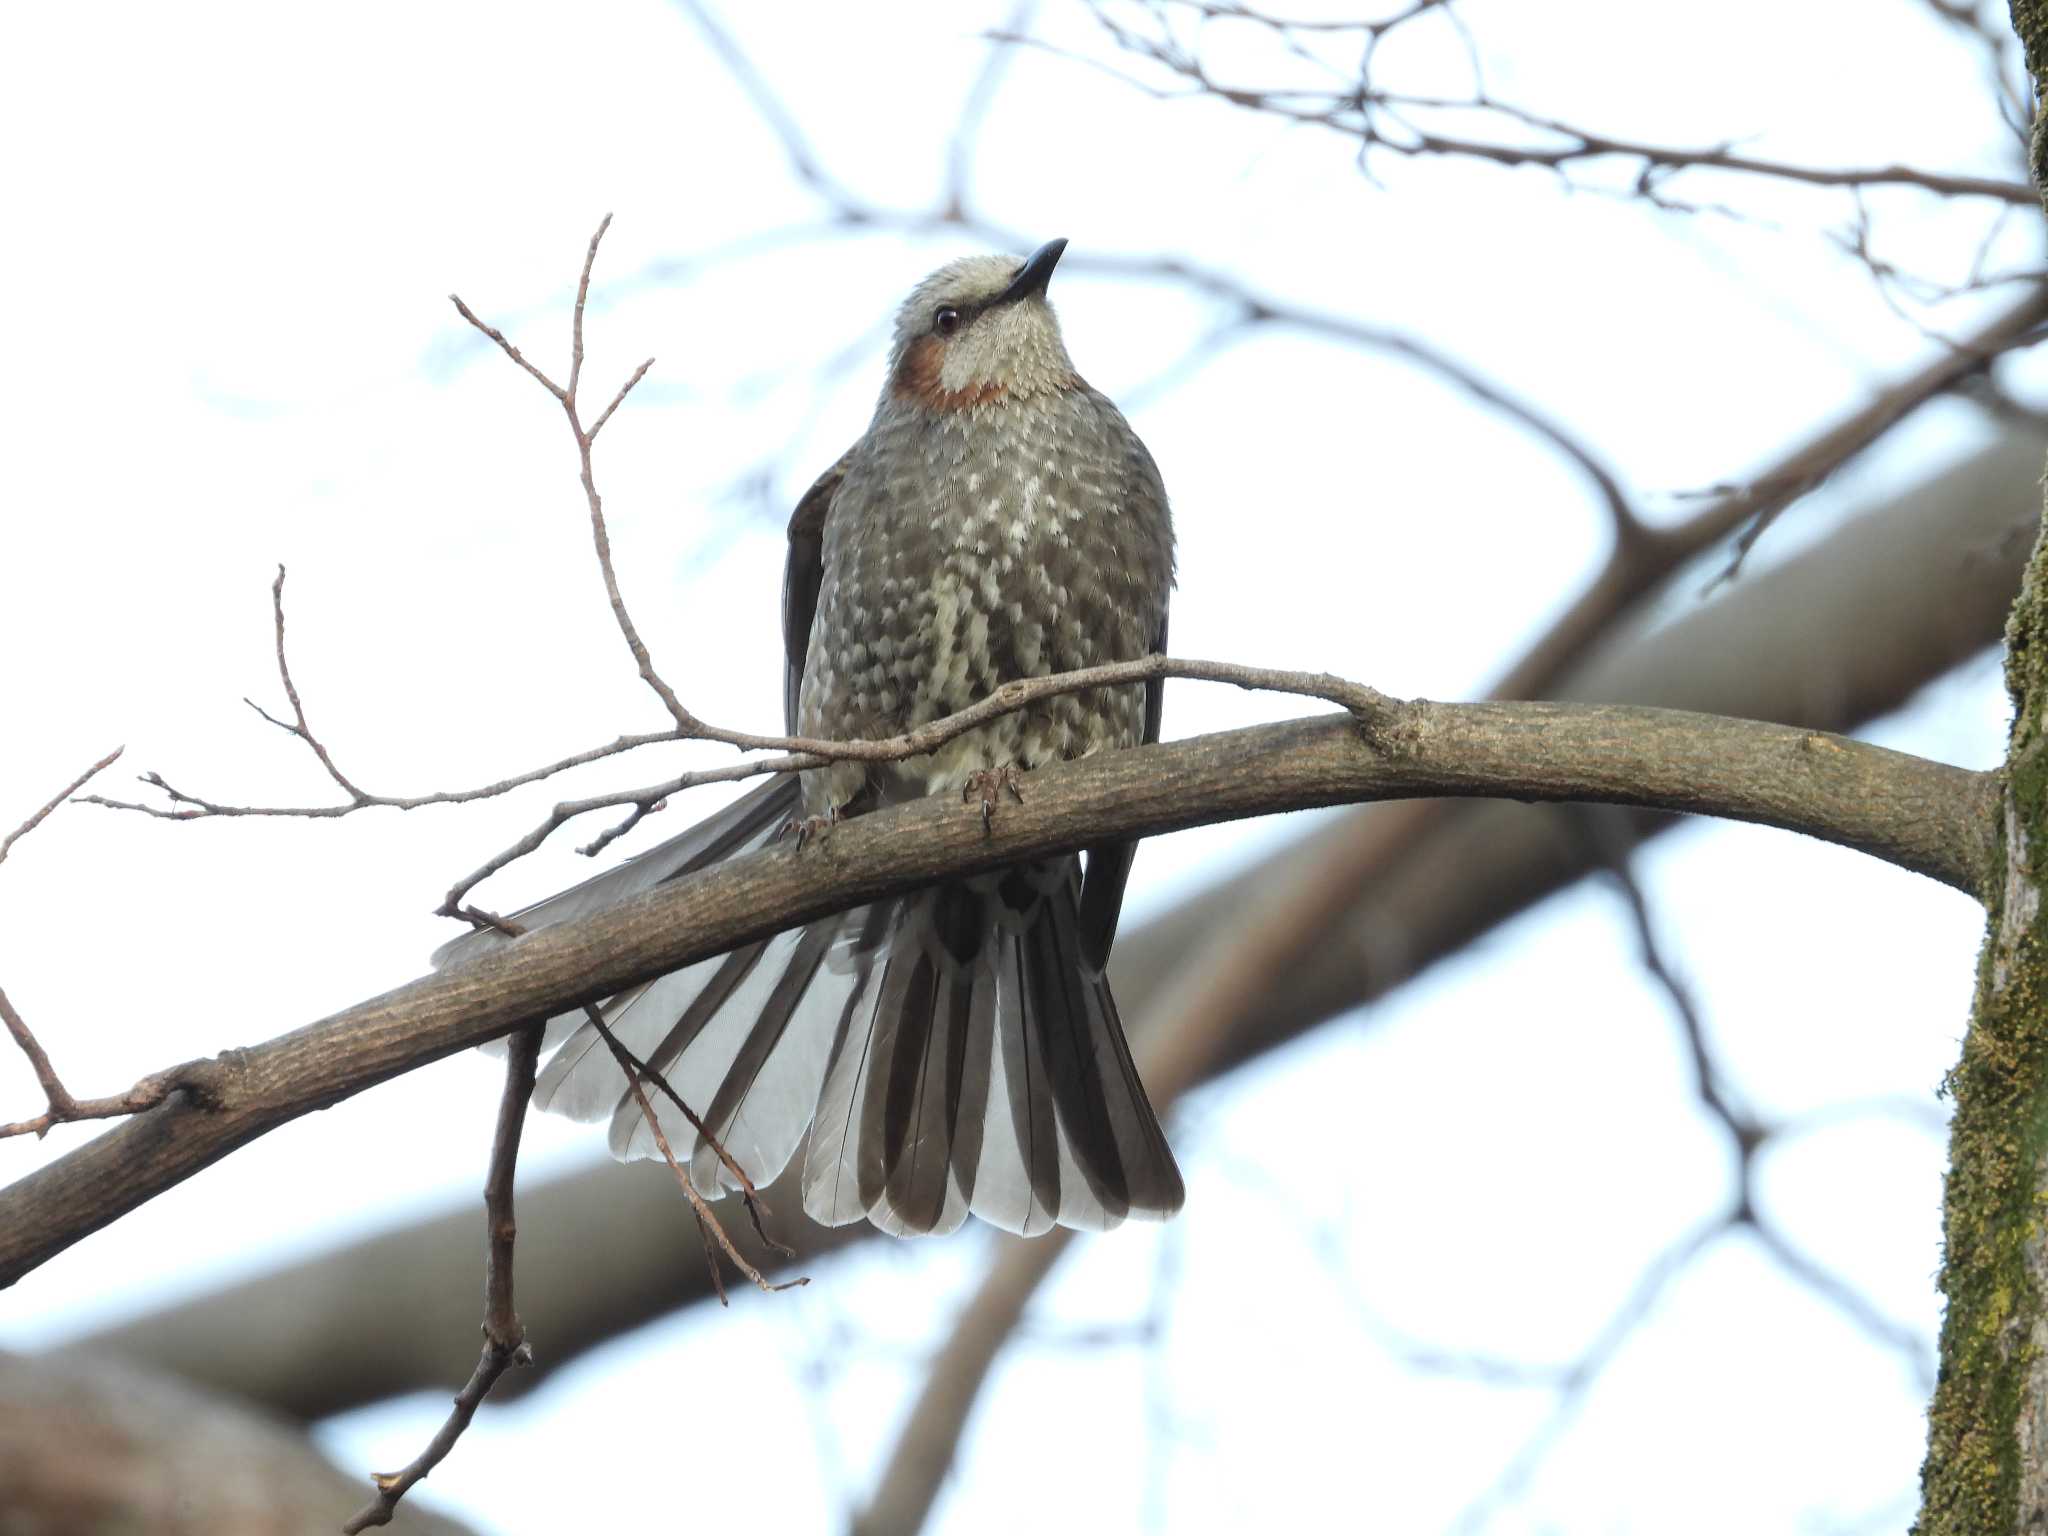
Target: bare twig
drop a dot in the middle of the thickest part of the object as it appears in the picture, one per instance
(504, 1335)
(798, 751)
(35, 820)
(635, 1067)
(1610, 843)
(506, 346)
(1393, 121)
(618, 399)
(198, 1078)
(567, 397)
(801, 752)
(618, 829)
(188, 807)
(62, 1106)
(636, 1072)
(297, 725)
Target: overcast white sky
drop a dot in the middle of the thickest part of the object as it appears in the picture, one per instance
(229, 344)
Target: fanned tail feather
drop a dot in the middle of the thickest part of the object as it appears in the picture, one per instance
(954, 1050)
(984, 1069)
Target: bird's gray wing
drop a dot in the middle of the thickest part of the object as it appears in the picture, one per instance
(1109, 867)
(800, 578)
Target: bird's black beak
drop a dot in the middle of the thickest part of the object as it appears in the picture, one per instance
(1036, 272)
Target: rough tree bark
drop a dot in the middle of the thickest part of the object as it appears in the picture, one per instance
(1987, 1453)
(1987, 1458)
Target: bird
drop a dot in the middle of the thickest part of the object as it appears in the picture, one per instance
(955, 1050)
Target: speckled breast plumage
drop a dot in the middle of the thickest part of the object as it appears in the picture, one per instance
(967, 547)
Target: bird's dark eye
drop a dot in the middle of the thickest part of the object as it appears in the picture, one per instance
(946, 321)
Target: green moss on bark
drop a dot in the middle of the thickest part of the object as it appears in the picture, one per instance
(1985, 1466)
(2030, 21)
(1994, 1213)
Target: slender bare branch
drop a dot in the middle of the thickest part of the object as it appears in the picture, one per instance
(636, 1068)
(798, 751)
(811, 752)
(188, 807)
(196, 1078)
(1611, 845)
(618, 399)
(567, 397)
(297, 726)
(638, 1073)
(62, 1106)
(38, 817)
(1394, 122)
(504, 1335)
(506, 347)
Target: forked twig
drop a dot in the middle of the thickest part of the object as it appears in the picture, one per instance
(62, 1106)
(567, 397)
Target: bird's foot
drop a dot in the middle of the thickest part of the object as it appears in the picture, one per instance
(989, 784)
(808, 827)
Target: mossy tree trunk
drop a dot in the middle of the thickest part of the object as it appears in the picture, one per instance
(1987, 1457)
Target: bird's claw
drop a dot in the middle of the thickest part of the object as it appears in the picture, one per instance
(808, 827)
(989, 784)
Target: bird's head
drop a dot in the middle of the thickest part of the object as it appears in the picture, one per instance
(978, 330)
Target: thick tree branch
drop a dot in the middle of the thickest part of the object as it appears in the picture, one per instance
(95, 1444)
(1940, 558)
(1924, 816)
